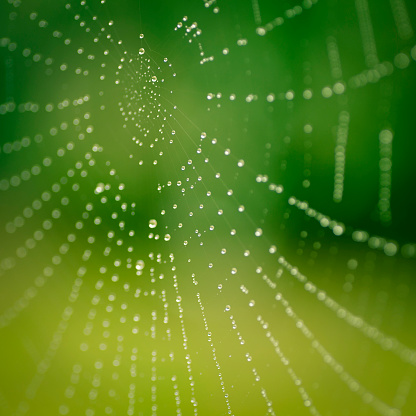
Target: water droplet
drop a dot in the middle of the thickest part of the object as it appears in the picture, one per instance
(152, 223)
(99, 188)
(261, 31)
(139, 264)
(141, 51)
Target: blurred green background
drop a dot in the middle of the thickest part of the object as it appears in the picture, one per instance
(207, 208)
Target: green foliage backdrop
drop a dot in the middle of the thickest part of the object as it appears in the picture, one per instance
(207, 207)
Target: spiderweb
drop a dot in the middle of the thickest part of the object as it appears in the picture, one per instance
(207, 208)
